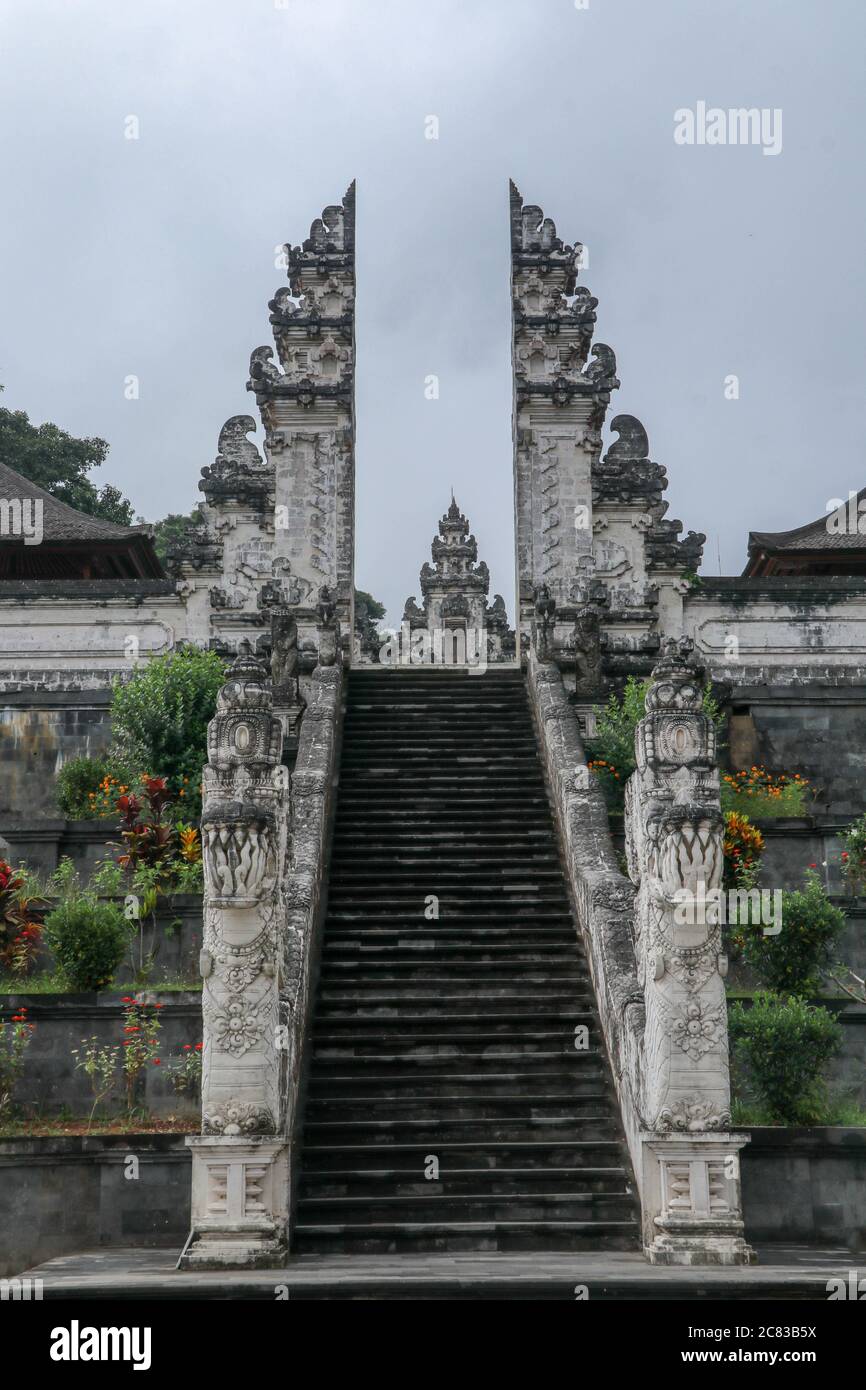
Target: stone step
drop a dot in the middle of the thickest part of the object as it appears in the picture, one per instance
(350, 898)
(436, 832)
(455, 1066)
(494, 1046)
(382, 1238)
(501, 1012)
(318, 1209)
(452, 1000)
(434, 1129)
(573, 1081)
(323, 1156)
(410, 1182)
(435, 1109)
(425, 957)
(408, 928)
(428, 976)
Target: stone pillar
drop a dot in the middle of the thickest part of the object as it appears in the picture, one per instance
(559, 408)
(240, 1161)
(674, 835)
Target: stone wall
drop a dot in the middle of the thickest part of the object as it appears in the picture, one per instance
(806, 1185)
(50, 1082)
(62, 1195)
(39, 731)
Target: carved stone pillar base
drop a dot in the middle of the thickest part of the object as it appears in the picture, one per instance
(691, 1199)
(239, 1203)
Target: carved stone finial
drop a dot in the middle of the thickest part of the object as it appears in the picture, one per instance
(633, 441)
(233, 442)
(601, 371)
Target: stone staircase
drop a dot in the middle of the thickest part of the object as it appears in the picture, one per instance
(452, 1040)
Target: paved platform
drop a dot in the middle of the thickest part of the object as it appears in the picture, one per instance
(784, 1273)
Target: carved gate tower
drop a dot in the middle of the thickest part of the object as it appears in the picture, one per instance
(559, 408)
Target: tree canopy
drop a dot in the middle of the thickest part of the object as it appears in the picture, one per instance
(60, 463)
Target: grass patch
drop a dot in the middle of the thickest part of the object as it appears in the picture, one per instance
(55, 984)
(58, 1127)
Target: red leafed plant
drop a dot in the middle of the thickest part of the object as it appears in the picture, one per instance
(147, 838)
(20, 931)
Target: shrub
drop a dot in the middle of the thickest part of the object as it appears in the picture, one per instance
(743, 847)
(854, 854)
(185, 1071)
(758, 792)
(782, 1046)
(86, 935)
(98, 1061)
(794, 961)
(87, 788)
(160, 718)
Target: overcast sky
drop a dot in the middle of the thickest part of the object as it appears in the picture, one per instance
(155, 257)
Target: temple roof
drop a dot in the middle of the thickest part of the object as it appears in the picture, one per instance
(833, 543)
(72, 540)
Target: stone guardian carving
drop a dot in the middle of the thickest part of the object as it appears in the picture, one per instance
(674, 836)
(240, 1161)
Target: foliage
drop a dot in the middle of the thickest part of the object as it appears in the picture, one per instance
(783, 1046)
(185, 1072)
(88, 788)
(20, 931)
(59, 463)
(829, 1110)
(15, 1038)
(743, 847)
(160, 857)
(87, 935)
(146, 832)
(173, 528)
(854, 854)
(99, 1062)
(160, 717)
(757, 792)
(369, 612)
(610, 781)
(794, 961)
(141, 1024)
(610, 751)
(106, 1063)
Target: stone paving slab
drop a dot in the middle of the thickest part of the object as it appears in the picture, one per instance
(783, 1273)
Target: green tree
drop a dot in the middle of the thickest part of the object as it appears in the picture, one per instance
(172, 528)
(159, 718)
(60, 463)
(369, 612)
